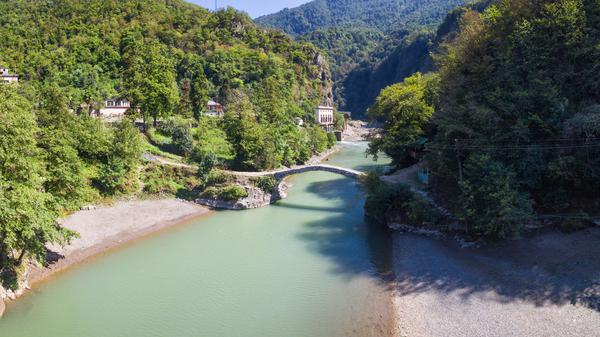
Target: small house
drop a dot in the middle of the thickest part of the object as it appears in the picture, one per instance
(7, 77)
(114, 108)
(213, 109)
(324, 117)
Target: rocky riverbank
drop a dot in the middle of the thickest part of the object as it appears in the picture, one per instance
(104, 228)
(543, 285)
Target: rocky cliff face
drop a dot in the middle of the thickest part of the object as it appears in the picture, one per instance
(324, 75)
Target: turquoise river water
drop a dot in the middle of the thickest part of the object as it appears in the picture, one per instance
(307, 266)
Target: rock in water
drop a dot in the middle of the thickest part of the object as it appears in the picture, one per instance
(2, 307)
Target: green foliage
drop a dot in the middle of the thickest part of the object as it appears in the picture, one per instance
(216, 177)
(206, 163)
(149, 76)
(405, 110)
(211, 141)
(27, 213)
(232, 193)
(387, 203)
(248, 137)
(370, 43)
(226, 193)
(169, 180)
(319, 139)
(167, 58)
(112, 179)
(266, 183)
(518, 105)
(491, 203)
(382, 15)
(183, 140)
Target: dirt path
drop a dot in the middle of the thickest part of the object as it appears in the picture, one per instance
(544, 286)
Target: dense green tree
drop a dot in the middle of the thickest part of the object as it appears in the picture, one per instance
(491, 202)
(247, 136)
(149, 78)
(27, 213)
(405, 110)
(518, 88)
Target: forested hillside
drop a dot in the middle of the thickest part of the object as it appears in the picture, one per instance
(520, 109)
(382, 15)
(168, 58)
(401, 55)
(513, 118)
(370, 43)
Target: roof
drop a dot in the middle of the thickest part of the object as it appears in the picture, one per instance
(324, 107)
(211, 102)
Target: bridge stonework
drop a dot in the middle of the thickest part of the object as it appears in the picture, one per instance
(281, 174)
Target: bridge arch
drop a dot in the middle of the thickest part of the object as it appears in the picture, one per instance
(283, 173)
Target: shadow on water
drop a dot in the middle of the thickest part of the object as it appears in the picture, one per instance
(546, 270)
(342, 236)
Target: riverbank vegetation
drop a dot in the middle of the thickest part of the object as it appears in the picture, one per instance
(168, 59)
(513, 135)
(52, 162)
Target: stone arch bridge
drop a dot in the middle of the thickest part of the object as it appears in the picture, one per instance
(282, 173)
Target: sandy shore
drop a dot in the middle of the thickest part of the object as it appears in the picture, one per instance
(547, 285)
(106, 228)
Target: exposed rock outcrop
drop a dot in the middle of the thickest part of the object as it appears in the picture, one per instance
(256, 198)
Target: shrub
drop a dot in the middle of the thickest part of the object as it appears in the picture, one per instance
(183, 140)
(491, 203)
(266, 183)
(386, 202)
(159, 179)
(331, 140)
(232, 193)
(210, 193)
(216, 178)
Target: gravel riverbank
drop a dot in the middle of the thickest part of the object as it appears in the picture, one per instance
(547, 285)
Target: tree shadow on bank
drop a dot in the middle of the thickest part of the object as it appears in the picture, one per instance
(549, 269)
(342, 236)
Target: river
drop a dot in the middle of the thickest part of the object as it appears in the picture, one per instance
(307, 266)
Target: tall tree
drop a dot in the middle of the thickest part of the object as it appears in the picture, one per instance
(149, 78)
(27, 213)
(405, 110)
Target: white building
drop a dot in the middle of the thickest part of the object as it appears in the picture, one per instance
(7, 77)
(324, 116)
(114, 109)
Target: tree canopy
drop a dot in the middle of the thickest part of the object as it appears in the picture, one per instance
(519, 99)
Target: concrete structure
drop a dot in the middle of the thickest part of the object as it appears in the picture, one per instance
(213, 109)
(114, 109)
(324, 116)
(7, 77)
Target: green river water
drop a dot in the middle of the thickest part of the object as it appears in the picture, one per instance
(307, 266)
